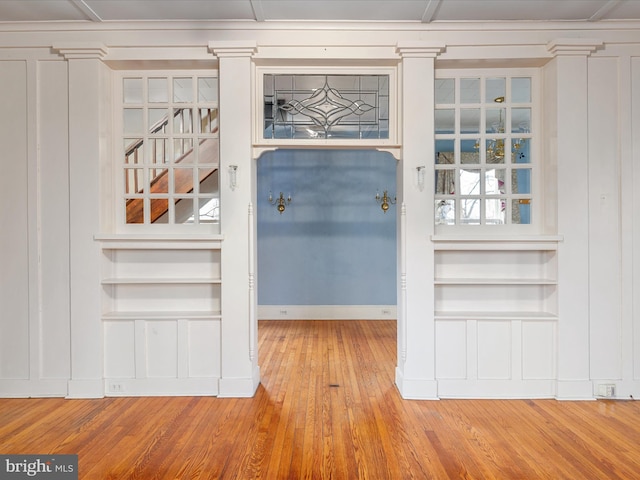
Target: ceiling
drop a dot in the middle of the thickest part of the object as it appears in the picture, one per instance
(425, 11)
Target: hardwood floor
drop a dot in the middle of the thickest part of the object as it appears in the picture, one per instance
(328, 408)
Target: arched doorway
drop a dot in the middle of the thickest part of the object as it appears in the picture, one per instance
(332, 253)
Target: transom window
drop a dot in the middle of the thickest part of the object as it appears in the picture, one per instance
(310, 106)
(485, 169)
(170, 156)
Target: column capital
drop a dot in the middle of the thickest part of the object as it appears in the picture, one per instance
(233, 49)
(419, 49)
(85, 50)
(574, 46)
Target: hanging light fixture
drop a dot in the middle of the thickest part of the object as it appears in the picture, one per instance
(280, 202)
(385, 201)
(496, 147)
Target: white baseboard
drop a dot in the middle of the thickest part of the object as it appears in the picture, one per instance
(416, 388)
(326, 312)
(85, 388)
(574, 390)
(13, 388)
(495, 389)
(153, 387)
(239, 387)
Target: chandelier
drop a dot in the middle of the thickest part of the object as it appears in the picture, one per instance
(496, 147)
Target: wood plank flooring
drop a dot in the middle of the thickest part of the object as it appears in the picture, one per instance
(328, 409)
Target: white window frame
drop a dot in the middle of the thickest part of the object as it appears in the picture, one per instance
(121, 224)
(533, 137)
(268, 143)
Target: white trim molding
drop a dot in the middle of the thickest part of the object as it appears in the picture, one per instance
(327, 312)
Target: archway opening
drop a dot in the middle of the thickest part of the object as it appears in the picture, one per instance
(332, 252)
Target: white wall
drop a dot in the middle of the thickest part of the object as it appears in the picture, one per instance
(51, 335)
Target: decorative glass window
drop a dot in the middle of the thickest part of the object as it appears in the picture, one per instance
(484, 165)
(307, 106)
(169, 131)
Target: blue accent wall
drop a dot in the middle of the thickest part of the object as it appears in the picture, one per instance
(333, 245)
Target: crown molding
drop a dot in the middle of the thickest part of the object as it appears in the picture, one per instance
(85, 50)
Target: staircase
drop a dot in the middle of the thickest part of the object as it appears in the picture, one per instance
(182, 177)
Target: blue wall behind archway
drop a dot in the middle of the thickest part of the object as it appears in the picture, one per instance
(333, 245)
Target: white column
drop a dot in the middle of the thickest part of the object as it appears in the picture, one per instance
(572, 155)
(240, 372)
(88, 119)
(415, 373)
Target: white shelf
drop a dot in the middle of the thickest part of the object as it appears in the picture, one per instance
(167, 241)
(504, 316)
(163, 315)
(161, 277)
(160, 281)
(487, 242)
(495, 281)
(496, 278)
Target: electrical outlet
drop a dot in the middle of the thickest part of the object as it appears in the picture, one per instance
(606, 390)
(283, 313)
(386, 312)
(116, 388)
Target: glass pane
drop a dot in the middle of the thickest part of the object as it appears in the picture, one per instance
(159, 210)
(182, 90)
(445, 90)
(469, 90)
(495, 120)
(208, 89)
(520, 120)
(521, 182)
(445, 121)
(469, 151)
(520, 150)
(158, 90)
(132, 121)
(494, 181)
(326, 106)
(182, 121)
(445, 181)
(284, 82)
(159, 180)
(183, 210)
(208, 120)
(495, 149)
(183, 180)
(207, 150)
(445, 212)
(158, 120)
(445, 151)
(158, 150)
(521, 211)
(521, 90)
(470, 182)
(495, 211)
(470, 120)
(183, 150)
(208, 180)
(470, 211)
(495, 90)
(209, 210)
(134, 180)
(132, 90)
(135, 210)
(133, 151)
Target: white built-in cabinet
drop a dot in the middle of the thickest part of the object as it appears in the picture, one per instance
(495, 315)
(161, 314)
